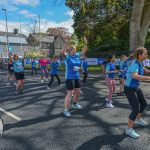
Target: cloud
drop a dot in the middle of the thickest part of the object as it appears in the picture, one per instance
(13, 3)
(49, 13)
(69, 13)
(11, 27)
(27, 14)
(45, 24)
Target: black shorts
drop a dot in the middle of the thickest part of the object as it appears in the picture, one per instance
(19, 76)
(72, 83)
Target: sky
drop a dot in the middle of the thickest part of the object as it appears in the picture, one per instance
(53, 13)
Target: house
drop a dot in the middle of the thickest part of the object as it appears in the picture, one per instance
(51, 42)
(17, 43)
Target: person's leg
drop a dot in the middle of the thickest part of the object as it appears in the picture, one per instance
(69, 86)
(76, 94)
(32, 72)
(142, 101)
(18, 86)
(42, 74)
(46, 73)
(8, 78)
(110, 88)
(122, 85)
(58, 79)
(35, 71)
(67, 99)
(51, 81)
(84, 77)
(134, 102)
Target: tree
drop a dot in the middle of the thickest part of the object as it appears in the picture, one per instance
(139, 23)
(105, 23)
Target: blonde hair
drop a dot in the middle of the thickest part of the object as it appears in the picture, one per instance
(71, 47)
(122, 56)
(139, 51)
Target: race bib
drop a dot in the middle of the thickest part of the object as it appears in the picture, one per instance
(76, 68)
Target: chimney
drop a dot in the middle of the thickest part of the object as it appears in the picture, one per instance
(15, 31)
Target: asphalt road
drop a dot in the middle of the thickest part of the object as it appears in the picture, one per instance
(42, 126)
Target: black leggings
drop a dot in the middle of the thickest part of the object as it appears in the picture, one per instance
(34, 70)
(85, 76)
(135, 97)
(52, 79)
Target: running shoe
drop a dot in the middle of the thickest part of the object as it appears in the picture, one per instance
(8, 84)
(42, 81)
(132, 133)
(76, 106)
(48, 88)
(109, 105)
(141, 122)
(15, 83)
(66, 113)
(108, 100)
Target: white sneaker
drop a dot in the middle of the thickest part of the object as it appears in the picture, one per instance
(141, 122)
(42, 81)
(132, 133)
(76, 106)
(46, 79)
(15, 83)
(109, 105)
(106, 99)
(8, 84)
(48, 88)
(66, 113)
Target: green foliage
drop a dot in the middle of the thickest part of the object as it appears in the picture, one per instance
(105, 23)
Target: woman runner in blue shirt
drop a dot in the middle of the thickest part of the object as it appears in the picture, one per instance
(72, 64)
(54, 71)
(136, 98)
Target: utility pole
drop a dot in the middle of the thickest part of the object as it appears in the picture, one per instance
(39, 29)
(21, 34)
(6, 31)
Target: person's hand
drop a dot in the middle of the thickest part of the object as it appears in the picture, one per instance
(116, 71)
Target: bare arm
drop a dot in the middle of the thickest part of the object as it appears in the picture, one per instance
(63, 51)
(146, 71)
(115, 71)
(136, 76)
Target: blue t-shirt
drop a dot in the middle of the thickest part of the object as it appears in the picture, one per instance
(124, 66)
(84, 65)
(33, 64)
(134, 67)
(110, 67)
(18, 66)
(54, 68)
(72, 64)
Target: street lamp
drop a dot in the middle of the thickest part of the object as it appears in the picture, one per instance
(6, 30)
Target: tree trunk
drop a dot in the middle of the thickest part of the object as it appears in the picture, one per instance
(135, 21)
(139, 23)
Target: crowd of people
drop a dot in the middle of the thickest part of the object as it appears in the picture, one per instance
(131, 72)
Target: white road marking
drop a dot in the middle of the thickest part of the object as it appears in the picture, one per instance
(10, 114)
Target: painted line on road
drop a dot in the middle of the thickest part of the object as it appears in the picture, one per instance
(10, 114)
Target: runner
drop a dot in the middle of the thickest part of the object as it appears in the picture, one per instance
(10, 71)
(110, 74)
(43, 64)
(134, 93)
(33, 67)
(54, 71)
(84, 68)
(72, 63)
(19, 73)
(122, 75)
